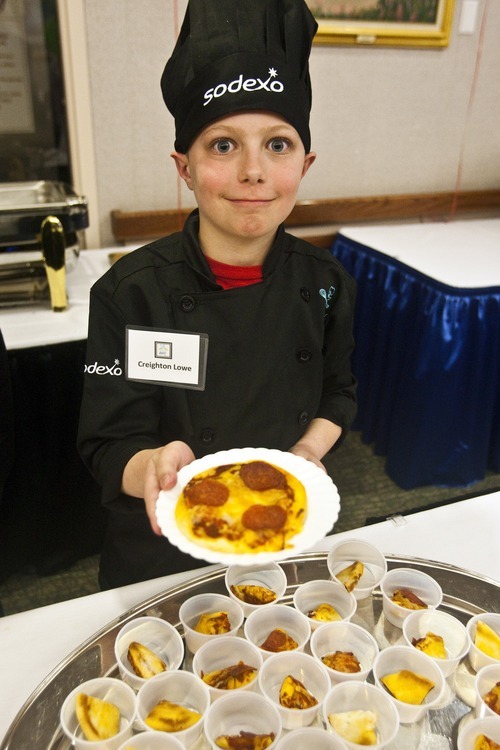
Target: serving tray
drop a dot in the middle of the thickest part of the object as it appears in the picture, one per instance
(464, 594)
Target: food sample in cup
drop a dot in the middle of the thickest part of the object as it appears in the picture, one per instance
(252, 594)
(492, 698)
(483, 742)
(279, 640)
(144, 662)
(487, 640)
(245, 741)
(98, 719)
(213, 623)
(408, 599)
(407, 686)
(351, 575)
(324, 612)
(294, 694)
(230, 678)
(358, 565)
(171, 717)
(242, 507)
(358, 726)
(431, 644)
(342, 661)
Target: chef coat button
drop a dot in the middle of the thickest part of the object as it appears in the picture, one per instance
(207, 435)
(186, 303)
(304, 355)
(305, 293)
(303, 417)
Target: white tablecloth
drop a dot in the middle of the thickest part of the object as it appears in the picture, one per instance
(32, 643)
(458, 253)
(38, 325)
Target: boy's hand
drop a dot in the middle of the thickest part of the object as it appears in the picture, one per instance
(150, 471)
(299, 450)
(161, 474)
(319, 437)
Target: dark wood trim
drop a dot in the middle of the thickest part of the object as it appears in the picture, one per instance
(133, 226)
(130, 226)
(419, 206)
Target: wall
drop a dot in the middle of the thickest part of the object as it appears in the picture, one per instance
(384, 120)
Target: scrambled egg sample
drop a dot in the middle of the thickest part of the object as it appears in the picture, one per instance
(242, 507)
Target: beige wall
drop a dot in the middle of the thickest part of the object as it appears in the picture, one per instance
(384, 120)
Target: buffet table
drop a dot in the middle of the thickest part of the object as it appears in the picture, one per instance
(50, 510)
(33, 643)
(427, 355)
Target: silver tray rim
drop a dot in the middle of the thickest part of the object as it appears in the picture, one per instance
(217, 573)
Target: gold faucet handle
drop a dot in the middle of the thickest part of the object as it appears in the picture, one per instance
(54, 250)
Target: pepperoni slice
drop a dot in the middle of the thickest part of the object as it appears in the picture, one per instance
(259, 475)
(260, 517)
(206, 492)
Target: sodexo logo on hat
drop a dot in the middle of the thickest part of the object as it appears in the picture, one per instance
(249, 84)
(236, 55)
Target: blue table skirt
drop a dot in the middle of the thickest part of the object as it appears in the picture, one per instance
(427, 360)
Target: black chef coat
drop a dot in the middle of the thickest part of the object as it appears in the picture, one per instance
(278, 356)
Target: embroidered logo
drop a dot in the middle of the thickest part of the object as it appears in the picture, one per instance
(327, 296)
(95, 369)
(247, 84)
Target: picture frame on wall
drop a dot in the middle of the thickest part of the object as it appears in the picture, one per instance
(402, 23)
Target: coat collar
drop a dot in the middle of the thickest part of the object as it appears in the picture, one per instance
(196, 258)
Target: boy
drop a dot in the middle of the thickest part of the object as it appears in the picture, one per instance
(263, 320)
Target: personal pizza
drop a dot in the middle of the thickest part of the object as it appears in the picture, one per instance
(242, 507)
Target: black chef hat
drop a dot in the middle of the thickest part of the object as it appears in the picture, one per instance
(234, 55)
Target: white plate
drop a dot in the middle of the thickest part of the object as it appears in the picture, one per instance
(323, 504)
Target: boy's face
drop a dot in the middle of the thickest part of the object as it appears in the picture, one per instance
(245, 170)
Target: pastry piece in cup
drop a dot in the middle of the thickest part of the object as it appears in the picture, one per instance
(407, 686)
(356, 726)
(350, 576)
(432, 645)
(99, 719)
(294, 694)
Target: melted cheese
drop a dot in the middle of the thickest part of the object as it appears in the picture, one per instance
(221, 529)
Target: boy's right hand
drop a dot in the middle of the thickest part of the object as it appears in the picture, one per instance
(152, 470)
(161, 474)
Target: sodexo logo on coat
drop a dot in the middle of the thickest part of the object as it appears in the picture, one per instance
(247, 84)
(96, 369)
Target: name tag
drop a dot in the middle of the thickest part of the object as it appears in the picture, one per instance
(166, 357)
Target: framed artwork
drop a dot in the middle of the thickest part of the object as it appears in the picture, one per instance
(403, 23)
